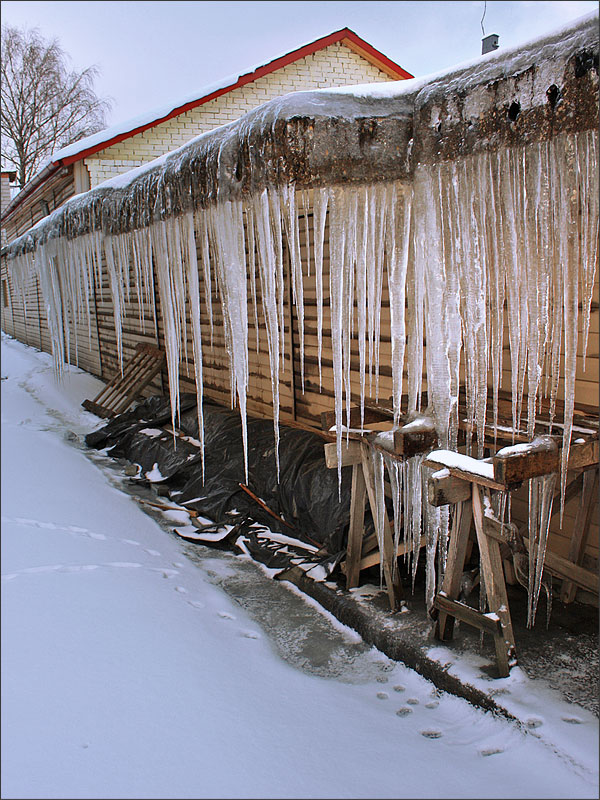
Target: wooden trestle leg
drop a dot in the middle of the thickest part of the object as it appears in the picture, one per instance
(357, 526)
(392, 578)
(459, 540)
(498, 622)
(493, 575)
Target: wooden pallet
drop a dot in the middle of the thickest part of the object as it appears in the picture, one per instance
(125, 387)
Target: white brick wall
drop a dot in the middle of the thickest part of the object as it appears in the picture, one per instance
(336, 65)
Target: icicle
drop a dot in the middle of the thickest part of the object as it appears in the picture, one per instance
(203, 235)
(169, 309)
(288, 203)
(394, 471)
(116, 292)
(193, 286)
(379, 514)
(361, 292)
(541, 494)
(252, 271)
(569, 203)
(398, 231)
(320, 200)
(269, 280)
(305, 203)
(228, 231)
(337, 249)
(350, 213)
(412, 485)
(495, 260)
(587, 155)
(275, 214)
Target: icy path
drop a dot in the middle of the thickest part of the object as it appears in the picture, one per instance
(127, 673)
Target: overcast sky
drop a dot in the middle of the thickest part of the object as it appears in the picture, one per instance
(150, 53)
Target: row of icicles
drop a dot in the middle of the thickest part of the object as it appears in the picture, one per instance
(505, 238)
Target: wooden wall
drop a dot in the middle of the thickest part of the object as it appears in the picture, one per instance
(98, 355)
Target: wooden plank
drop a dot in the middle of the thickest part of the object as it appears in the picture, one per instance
(563, 568)
(357, 526)
(457, 552)
(471, 475)
(584, 454)
(455, 609)
(444, 489)
(581, 528)
(409, 441)
(393, 585)
(351, 454)
(373, 558)
(521, 462)
(372, 413)
(493, 576)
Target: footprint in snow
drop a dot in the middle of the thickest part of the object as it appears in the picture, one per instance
(431, 734)
(124, 564)
(382, 695)
(196, 603)
(131, 541)
(432, 704)
(226, 615)
(572, 720)
(80, 568)
(152, 552)
(534, 722)
(77, 529)
(412, 701)
(181, 589)
(250, 635)
(49, 568)
(93, 535)
(399, 688)
(491, 751)
(403, 712)
(165, 571)
(382, 679)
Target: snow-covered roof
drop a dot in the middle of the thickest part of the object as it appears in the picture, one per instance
(149, 119)
(363, 133)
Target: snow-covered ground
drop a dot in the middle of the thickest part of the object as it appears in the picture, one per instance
(127, 673)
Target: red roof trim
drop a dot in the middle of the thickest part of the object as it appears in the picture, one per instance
(366, 49)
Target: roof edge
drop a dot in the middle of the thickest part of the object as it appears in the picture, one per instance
(343, 35)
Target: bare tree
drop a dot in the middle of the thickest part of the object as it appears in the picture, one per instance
(44, 105)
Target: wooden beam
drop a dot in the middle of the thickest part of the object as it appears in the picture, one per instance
(357, 526)
(372, 413)
(392, 580)
(524, 461)
(581, 528)
(457, 553)
(409, 441)
(444, 489)
(470, 469)
(374, 557)
(454, 609)
(584, 454)
(351, 454)
(493, 578)
(563, 568)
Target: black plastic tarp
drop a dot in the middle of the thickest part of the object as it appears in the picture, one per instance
(305, 496)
